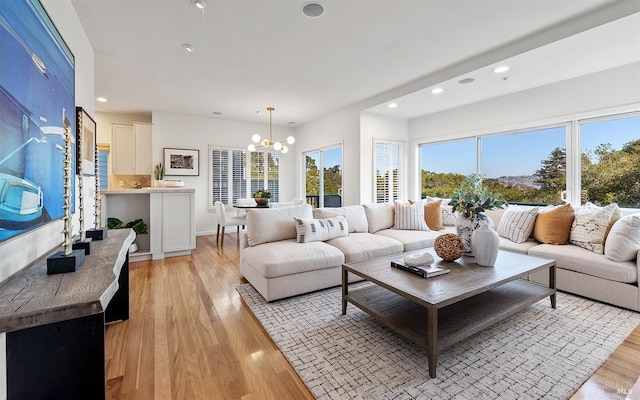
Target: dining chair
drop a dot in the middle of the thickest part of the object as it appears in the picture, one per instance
(224, 220)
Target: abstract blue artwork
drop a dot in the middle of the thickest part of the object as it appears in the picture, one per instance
(37, 104)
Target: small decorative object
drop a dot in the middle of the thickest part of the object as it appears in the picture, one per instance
(262, 197)
(173, 183)
(449, 246)
(97, 233)
(470, 200)
(419, 260)
(158, 174)
(67, 260)
(82, 243)
(182, 162)
(485, 242)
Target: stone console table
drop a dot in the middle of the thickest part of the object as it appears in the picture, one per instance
(54, 324)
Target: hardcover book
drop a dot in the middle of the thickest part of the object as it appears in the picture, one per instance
(427, 271)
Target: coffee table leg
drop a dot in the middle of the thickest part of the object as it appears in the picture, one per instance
(432, 340)
(552, 284)
(345, 290)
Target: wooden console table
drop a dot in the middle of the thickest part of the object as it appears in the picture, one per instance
(54, 324)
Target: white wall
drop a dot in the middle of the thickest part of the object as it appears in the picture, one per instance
(377, 127)
(191, 132)
(340, 127)
(18, 252)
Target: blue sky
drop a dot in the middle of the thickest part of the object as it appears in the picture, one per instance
(521, 154)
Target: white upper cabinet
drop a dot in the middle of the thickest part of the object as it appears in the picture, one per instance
(131, 149)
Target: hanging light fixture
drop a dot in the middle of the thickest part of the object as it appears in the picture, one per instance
(258, 142)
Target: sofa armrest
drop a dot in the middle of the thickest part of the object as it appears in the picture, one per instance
(244, 240)
(638, 264)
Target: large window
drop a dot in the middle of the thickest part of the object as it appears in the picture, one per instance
(443, 166)
(390, 166)
(526, 167)
(238, 174)
(610, 161)
(324, 189)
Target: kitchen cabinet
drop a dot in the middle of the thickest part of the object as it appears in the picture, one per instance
(131, 154)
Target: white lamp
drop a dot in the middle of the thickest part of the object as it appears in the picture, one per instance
(277, 146)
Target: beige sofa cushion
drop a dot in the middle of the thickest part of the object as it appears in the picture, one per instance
(553, 224)
(523, 248)
(274, 224)
(577, 259)
(414, 240)
(623, 240)
(364, 246)
(356, 218)
(379, 216)
(287, 257)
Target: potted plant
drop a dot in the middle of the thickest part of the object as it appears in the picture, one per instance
(138, 226)
(262, 197)
(470, 201)
(158, 174)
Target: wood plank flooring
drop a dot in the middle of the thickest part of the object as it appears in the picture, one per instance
(189, 336)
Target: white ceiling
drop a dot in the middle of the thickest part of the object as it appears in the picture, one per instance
(250, 54)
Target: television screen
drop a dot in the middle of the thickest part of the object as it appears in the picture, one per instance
(37, 104)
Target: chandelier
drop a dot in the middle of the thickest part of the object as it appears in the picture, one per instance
(258, 142)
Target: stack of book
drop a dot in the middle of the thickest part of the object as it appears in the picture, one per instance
(427, 271)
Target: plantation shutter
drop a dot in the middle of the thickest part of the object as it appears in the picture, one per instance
(219, 176)
(390, 171)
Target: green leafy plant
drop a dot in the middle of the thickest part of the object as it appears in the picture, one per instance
(158, 171)
(471, 198)
(262, 194)
(138, 225)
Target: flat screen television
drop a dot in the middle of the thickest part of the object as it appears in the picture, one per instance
(37, 103)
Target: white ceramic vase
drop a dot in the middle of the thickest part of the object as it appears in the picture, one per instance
(485, 242)
(466, 226)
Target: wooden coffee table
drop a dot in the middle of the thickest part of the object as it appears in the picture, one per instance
(440, 311)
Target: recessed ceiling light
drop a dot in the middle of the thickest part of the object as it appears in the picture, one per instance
(199, 4)
(217, 113)
(187, 47)
(437, 90)
(392, 105)
(466, 80)
(101, 99)
(313, 10)
(292, 122)
(501, 69)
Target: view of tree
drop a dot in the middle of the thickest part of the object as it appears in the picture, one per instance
(608, 176)
(313, 177)
(332, 180)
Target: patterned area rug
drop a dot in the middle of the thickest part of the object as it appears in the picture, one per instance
(539, 353)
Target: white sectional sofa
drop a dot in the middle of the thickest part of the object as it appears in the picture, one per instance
(278, 267)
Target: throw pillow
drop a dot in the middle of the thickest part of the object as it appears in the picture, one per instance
(591, 224)
(553, 224)
(448, 216)
(517, 223)
(356, 218)
(623, 240)
(319, 230)
(433, 215)
(379, 216)
(409, 216)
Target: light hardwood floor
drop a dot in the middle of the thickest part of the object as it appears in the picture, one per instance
(189, 336)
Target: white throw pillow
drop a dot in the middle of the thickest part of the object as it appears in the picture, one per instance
(274, 224)
(319, 230)
(516, 224)
(591, 224)
(356, 218)
(623, 240)
(379, 216)
(409, 216)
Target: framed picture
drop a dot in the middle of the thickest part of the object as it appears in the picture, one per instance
(37, 86)
(85, 138)
(181, 162)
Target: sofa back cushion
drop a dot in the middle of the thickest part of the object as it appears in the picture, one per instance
(356, 218)
(319, 230)
(623, 240)
(433, 215)
(553, 224)
(274, 224)
(379, 216)
(516, 224)
(409, 216)
(591, 225)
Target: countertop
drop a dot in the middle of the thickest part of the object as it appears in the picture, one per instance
(148, 190)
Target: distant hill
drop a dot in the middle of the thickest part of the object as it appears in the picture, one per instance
(519, 181)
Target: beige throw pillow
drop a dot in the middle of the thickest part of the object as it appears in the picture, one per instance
(433, 215)
(409, 216)
(553, 224)
(623, 240)
(517, 223)
(591, 224)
